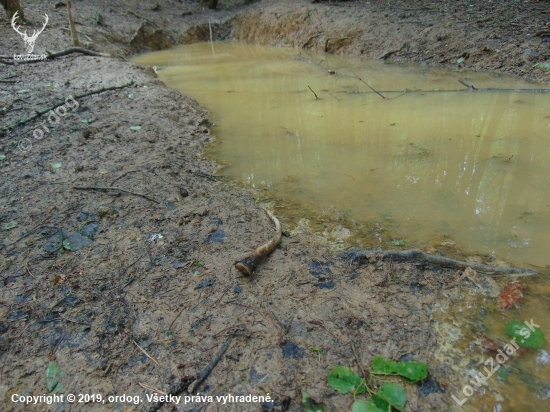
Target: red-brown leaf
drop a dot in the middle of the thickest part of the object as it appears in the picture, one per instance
(510, 295)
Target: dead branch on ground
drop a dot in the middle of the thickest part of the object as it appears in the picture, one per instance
(48, 109)
(210, 367)
(51, 56)
(440, 261)
(104, 189)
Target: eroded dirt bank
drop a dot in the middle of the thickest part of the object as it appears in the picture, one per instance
(500, 36)
(93, 279)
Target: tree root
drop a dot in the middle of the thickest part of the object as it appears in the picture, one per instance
(417, 255)
(248, 265)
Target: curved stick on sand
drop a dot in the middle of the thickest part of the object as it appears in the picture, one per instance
(248, 265)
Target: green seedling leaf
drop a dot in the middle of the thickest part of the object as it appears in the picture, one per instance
(53, 375)
(382, 366)
(310, 405)
(365, 406)
(131, 96)
(2, 156)
(9, 225)
(527, 336)
(545, 66)
(394, 394)
(199, 263)
(460, 61)
(24, 91)
(399, 242)
(380, 403)
(56, 165)
(135, 128)
(88, 121)
(2, 260)
(344, 380)
(413, 371)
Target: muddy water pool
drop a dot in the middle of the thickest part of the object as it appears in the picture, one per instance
(472, 166)
(432, 165)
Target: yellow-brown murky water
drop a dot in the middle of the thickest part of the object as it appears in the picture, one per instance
(416, 169)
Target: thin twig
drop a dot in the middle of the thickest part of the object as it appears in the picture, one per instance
(177, 316)
(47, 110)
(210, 367)
(497, 89)
(206, 176)
(211, 42)
(316, 98)
(104, 189)
(71, 50)
(146, 354)
(368, 85)
(357, 359)
(124, 174)
(79, 32)
(467, 85)
(175, 389)
(150, 388)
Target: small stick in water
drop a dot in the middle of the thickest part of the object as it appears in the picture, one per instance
(316, 98)
(248, 265)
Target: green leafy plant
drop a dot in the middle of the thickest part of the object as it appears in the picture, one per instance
(413, 371)
(528, 337)
(53, 376)
(365, 406)
(383, 397)
(345, 380)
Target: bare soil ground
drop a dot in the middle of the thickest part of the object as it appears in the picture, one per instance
(92, 279)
